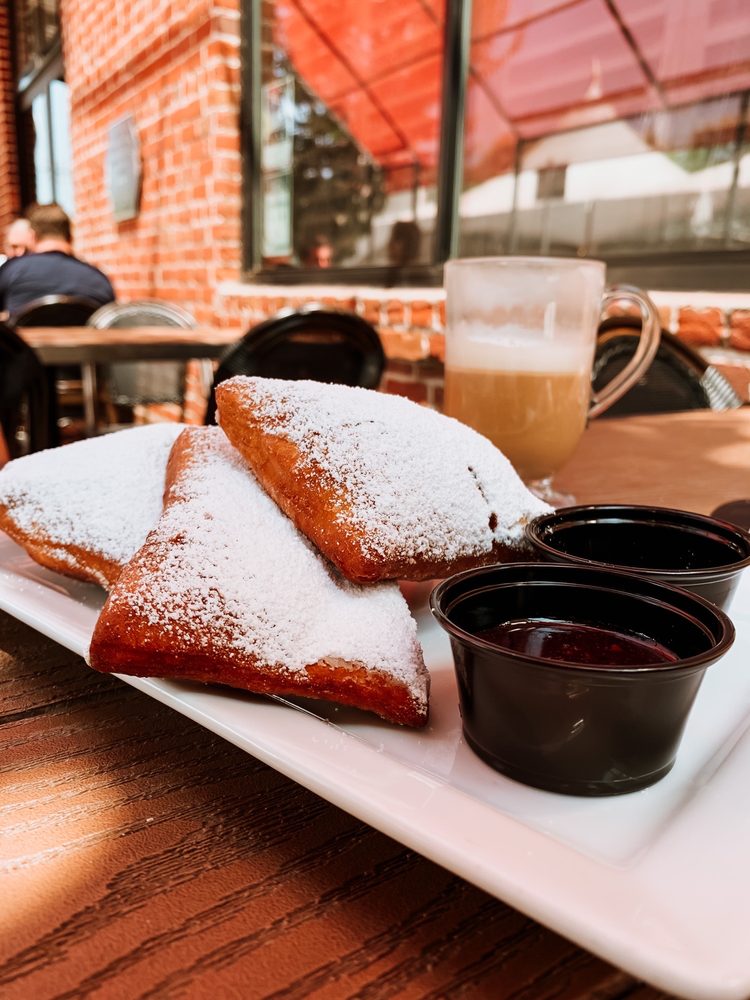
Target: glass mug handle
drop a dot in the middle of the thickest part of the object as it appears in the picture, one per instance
(648, 344)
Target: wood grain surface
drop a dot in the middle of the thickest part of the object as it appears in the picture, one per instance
(694, 461)
(143, 857)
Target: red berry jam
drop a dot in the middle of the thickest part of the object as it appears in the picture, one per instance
(576, 643)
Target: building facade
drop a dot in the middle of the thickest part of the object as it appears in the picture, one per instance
(137, 118)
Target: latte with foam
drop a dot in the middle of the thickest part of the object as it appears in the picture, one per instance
(535, 418)
(519, 351)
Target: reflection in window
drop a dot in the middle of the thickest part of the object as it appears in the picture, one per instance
(39, 26)
(349, 132)
(595, 129)
(42, 149)
(53, 156)
(591, 127)
(44, 118)
(674, 180)
(62, 152)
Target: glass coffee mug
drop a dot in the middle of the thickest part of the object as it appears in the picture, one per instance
(519, 351)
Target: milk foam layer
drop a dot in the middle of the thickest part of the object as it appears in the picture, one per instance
(485, 347)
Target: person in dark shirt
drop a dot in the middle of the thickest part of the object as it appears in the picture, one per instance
(50, 268)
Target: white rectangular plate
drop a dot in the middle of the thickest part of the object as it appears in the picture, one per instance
(657, 882)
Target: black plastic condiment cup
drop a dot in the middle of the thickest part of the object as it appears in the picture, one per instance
(566, 727)
(703, 554)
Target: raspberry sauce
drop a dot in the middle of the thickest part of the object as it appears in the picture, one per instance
(576, 643)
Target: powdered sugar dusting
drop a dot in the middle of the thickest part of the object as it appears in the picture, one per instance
(231, 564)
(416, 480)
(103, 494)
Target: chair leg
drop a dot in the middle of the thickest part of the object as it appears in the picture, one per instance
(4, 451)
(52, 428)
(89, 387)
(7, 432)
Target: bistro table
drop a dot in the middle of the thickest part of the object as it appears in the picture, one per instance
(143, 856)
(78, 345)
(88, 347)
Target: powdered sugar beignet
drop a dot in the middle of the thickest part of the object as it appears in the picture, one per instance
(85, 509)
(384, 487)
(227, 590)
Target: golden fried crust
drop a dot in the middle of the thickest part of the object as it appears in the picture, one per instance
(307, 494)
(70, 560)
(130, 640)
(84, 509)
(122, 646)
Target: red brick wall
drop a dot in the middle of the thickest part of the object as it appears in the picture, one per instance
(173, 67)
(10, 196)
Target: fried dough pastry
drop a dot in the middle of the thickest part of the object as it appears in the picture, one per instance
(385, 488)
(84, 509)
(226, 590)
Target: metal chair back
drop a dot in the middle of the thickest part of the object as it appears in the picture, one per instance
(128, 383)
(323, 345)
(142, 312)
(678, 379)
(55, 310)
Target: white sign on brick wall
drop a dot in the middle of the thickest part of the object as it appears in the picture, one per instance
(123, 169)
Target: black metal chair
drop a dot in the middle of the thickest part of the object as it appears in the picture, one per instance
(55, 310)
(27, 401)
(323, 345)
(678, 379)
(72, 384)
(129, 383)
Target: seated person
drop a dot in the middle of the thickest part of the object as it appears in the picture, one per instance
(50, 268)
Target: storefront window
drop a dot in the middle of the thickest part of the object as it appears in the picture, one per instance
(350, 99)
(39, 32)
(571, 127)
(594, 130)
(44, 118)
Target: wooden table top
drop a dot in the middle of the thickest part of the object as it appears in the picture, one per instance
(143, 856)
(694, 460)
(86, 344)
